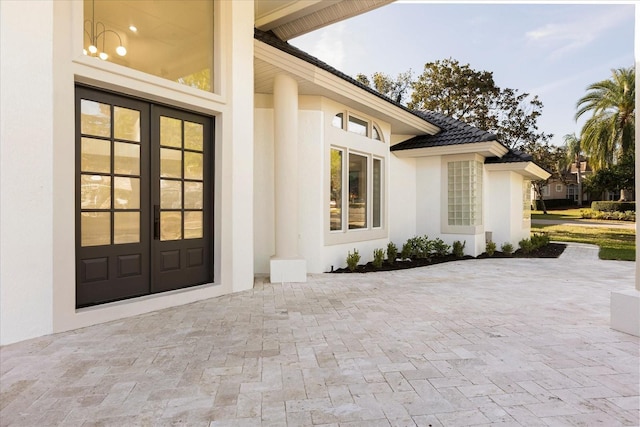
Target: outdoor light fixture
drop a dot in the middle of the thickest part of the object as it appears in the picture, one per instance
(98, 32)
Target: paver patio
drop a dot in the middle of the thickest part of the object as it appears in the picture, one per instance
(476, 342)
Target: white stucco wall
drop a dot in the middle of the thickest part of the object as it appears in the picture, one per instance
(428, 201)
(37, 211)
(504, 208)
(402, 199)
(26, 169)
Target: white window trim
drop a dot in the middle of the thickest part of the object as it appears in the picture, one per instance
(346, 115)
(347, 235)
(445, 228)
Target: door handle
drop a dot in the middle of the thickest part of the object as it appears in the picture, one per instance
(156, 222)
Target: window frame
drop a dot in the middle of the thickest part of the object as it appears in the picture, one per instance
(478, 227)
(346, 233)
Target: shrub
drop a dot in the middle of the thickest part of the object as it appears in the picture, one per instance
(507, 248)
(526, 246)
(353, 259)
(607, 206)
(458, 248)
(440, 248)
(392, 252)
(538, 240)
(490, 248)
(406, 251)
(378, 257)
(614, 215)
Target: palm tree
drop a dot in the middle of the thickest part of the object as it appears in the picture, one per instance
(608, 136)
(573, 147)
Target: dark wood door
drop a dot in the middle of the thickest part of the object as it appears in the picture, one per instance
(144, 215)
(182, 199)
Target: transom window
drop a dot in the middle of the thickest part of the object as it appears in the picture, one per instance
(464, 193)
(357, 125)
(355, 199)
(172, 39)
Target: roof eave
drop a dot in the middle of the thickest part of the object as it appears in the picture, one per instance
(342, 90)
(527, 169)
(486, 149)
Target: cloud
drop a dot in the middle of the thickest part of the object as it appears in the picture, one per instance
(330, 46)
(561, 38)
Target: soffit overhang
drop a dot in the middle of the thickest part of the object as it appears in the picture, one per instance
(312, 80)
(527, 169)
(289, 19)
(485, 149)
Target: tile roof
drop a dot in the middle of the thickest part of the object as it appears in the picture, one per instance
(271, 39)
(513, 156)
(452, 132)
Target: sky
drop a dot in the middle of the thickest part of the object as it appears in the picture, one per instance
(549, 49)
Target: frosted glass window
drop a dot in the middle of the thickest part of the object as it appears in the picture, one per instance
(464, 193)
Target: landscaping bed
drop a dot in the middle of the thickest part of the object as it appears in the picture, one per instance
(550, 250)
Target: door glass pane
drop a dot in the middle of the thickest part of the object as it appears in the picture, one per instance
(335, 197)
(95, 228)
(126, 158)
(126, 193)
(126, 124)
(193, 225)
(95, 192)
(170, 225)
(193, 136)
(193, 166)
(126, 227)
(95, 118)
(192, 195)
(170, 132)
(95, 155)
(170, 194)
(170, 163)
(357, 191)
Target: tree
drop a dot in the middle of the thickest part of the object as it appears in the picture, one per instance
(608, 136)
(472, 96)
(549, 157)
(573, 146)
(396, 89)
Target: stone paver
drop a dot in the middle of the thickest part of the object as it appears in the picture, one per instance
(477, 342)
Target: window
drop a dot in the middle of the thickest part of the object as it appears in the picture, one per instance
(335, 198)
(526, 200)
(572, 192)
(376, 134)
(464, 193)
(172, 39)
(360, 127)
(545, 191)
(558, 188)
(357, 191)
(338, 121)
(361, 198)
(357, 126)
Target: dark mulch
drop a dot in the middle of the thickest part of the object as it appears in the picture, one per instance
(552, 250)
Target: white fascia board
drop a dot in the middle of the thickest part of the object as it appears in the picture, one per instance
(327, 81)
(486, 149)
(527, 169)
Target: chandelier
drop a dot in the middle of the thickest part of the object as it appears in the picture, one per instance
(97, 33)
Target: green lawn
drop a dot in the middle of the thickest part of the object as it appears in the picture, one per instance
(558, 214)
(617, 244)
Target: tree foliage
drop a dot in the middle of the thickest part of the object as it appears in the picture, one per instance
(549, 157)
(608, 136)
(396, 89)
(457, 90)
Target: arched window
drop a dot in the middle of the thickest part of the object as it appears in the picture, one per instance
(338, 121)
(375, 133)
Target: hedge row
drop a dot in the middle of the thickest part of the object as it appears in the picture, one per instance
(605, 206)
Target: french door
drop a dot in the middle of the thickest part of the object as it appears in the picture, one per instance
(144, 205)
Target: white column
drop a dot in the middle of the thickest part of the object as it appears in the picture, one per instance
(286, 265)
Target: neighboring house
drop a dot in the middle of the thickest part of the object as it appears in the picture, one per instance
(566, 188)
(213, 151)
